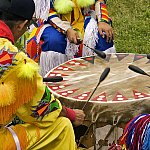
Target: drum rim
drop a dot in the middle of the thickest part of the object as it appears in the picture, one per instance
(97, 102)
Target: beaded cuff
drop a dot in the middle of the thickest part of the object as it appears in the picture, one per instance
(102, 13)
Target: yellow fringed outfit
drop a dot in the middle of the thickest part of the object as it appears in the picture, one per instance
(23, 93)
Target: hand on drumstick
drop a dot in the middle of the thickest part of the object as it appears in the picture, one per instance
(79, 117)
(72, 36)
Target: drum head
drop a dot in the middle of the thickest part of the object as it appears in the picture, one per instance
(122, 91)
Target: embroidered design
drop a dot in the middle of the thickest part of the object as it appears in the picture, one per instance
(45, 106)
(6, 60)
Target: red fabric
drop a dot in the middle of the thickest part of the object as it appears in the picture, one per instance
(5, 32)
(70, 114)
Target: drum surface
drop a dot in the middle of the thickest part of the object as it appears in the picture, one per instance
(122, 91)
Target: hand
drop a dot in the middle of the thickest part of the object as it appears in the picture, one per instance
(79, 117)
(72, 36)
(105, 27)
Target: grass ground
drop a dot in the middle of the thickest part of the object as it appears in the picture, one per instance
(131, 23)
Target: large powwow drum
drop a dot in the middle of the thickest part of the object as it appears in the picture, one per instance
(121, 96)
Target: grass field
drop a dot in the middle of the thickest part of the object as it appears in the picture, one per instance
(131, 23)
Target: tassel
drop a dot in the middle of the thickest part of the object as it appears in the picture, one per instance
(63, 6)
(6, 94)
(26, 89)
(27, 70)
(85, 3)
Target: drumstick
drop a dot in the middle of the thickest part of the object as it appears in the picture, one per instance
(98, 52)
(102, 77)
(53, 79)
(148, 56)
(137, 70)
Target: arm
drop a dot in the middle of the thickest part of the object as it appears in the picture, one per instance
(76, 116)
(104, 22)
(62, 26)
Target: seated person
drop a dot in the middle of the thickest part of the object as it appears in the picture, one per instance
(23, 93)
(70, 21)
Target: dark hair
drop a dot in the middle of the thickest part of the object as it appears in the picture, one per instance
(10, 19)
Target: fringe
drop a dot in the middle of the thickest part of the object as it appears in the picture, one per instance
(26, 89)
(42, 8)
(20, 90)
(71, 50)
(49, 60)
(90, 37)
(7, 94)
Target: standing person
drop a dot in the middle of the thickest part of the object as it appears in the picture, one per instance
(69, 21)
(23, 93)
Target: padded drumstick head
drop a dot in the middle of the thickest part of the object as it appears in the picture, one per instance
(148, 56)
(53, 79)
(104, 74)
(137, 70)
(102, 77)
(98, 52)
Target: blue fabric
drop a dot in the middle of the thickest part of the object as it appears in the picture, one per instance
(146, 142)
(53, 40)
(56, 41)
(102, 45)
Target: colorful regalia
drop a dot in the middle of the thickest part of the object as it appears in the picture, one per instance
(23, 93)
(136, 134)
(82, 16)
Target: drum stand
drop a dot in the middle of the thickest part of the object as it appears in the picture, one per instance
(116, 121)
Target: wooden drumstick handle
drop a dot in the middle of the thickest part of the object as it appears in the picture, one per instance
(102, 77)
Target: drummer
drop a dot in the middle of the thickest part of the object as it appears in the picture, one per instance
(21, 88)
(70, 19)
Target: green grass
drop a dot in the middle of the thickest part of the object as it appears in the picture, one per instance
(131, 23)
